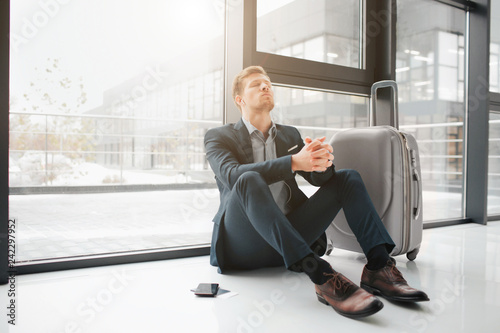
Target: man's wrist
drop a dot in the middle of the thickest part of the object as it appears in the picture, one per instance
(294, 163)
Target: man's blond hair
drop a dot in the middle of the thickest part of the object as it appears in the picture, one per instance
(238, 80)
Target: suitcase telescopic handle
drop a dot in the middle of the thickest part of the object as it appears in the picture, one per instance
(384, 84)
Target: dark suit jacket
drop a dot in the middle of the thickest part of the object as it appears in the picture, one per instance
(229, 152)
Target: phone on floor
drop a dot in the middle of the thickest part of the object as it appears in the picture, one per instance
(207, 289)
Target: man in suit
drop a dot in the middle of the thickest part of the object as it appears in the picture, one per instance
(265, 220)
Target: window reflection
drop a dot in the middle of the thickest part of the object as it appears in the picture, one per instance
(430, 75)
(319, 113)
(322, 31)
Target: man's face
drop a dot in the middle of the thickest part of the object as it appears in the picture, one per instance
(257, 93)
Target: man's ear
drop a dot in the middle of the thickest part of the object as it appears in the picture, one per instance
(239, 100)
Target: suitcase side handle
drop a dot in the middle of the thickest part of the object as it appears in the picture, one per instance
(384, 84)
(416, 210)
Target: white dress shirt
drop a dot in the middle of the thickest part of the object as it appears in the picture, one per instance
(265, 150)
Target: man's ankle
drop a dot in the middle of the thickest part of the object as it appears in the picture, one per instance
(377, 257)
(314, 267)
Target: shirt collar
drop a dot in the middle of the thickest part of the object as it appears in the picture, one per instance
(251, 128)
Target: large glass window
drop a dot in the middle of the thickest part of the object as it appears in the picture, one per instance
(494, 165)
(430, 75)
(326, 31)
(109, 101)
(495, 47)
(494, 123)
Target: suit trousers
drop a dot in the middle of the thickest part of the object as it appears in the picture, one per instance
(257, 234)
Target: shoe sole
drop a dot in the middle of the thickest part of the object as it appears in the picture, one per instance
(368, 312)
(377, 292)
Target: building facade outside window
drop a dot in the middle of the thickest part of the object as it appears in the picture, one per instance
(324, 31)
(110, 101)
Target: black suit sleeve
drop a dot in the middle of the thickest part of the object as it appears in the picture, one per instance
(225, 157)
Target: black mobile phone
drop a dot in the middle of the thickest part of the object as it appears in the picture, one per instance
(207, 289)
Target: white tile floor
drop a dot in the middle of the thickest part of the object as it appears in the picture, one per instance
(459, 267)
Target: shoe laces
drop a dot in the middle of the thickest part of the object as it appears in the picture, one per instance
(398, 276)
(339, 282)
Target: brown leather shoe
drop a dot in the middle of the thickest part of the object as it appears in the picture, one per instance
(347, 298)
(389, 283)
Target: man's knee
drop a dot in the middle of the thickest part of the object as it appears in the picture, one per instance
(248, 180)
(349, 175)
(250, 176)
(349, 178)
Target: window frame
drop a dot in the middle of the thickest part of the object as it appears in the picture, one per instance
(4, 139)
(494, 101)
(312, 73)
(56, 264)
(477, 118)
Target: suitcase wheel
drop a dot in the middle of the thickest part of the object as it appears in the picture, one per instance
(412, 254)
(329, 247)
(329, 251)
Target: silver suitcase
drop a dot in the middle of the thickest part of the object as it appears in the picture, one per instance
(388, 161)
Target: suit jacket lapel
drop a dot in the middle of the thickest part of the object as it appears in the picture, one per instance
(245, 141)
(282, 145)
